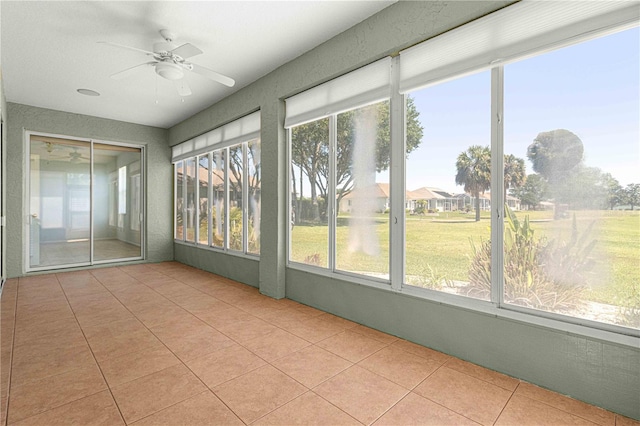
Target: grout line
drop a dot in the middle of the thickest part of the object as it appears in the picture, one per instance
(13, 341)
(91, 350)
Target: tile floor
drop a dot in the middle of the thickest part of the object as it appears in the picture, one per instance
(166, 344)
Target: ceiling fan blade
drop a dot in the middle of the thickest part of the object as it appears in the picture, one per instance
(183, 87)
(187, 50)
(124, 73)
(206, 72)
(122, 46)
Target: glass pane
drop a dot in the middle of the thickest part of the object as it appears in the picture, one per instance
(60, 203)
(574, 116)
(203, 199)
(117, 202)
(362, 191)
(447, 203)
(254, 173)
(309, 237)
(236, 163)
(217, 208)
(179, 206)
(190, 173)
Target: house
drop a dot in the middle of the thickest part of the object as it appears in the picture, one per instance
(148, 336)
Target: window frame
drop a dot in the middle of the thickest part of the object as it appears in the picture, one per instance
(496, 306)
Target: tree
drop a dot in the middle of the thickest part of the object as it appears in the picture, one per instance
(310, 148)
(514, 173)
(632, 194)
(554, 155)
(615, 192)
(532, 192)
(474, 172)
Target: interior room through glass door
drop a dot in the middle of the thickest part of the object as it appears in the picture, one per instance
(117, 216)
(85, 206)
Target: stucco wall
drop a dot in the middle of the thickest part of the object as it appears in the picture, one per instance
(158, 177)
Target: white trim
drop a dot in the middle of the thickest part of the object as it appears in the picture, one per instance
(397, 228)
(523, 29)
(241, 130)
(364, 86)
(497, 185)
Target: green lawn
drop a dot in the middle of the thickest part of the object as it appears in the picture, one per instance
(439, 247)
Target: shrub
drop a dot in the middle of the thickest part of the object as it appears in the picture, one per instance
(540, 274)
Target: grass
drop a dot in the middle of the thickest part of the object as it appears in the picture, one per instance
(438, 247)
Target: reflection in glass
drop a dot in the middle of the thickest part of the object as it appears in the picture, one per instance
(203, 199)
(179, 199)
(218, 201)
(190, 176)
(362, 191)
(236, 163)
(254, 178)
(117, 202)
(309, 236)
(577, 126)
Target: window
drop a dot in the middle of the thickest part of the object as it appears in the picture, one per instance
(576, 126)
(518, 167)
(340, 184)
(448, 177)
(122, 190)
(222, 191)
(135, 202)
(309, 237)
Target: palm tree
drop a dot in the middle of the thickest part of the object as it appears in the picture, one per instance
(514, 173)
(474, 172)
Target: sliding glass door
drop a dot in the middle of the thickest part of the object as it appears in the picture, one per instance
(85, 202)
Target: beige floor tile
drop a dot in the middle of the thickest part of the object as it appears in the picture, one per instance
(466, 395)
(334, 319)
(227, 317)
(312, 365)
(112, 342)
(524, 411)
(361, 393)
(314, 329)
(286, 317)
(201, 302)
(200, 410)
(422, 351)
(129, 367)
(180, 326)
(150, 394)
(564, 403)
(374, 334)
(102, 314)
(156, 314)
(401, 367)
(493, 377)
(225, 364)
(307, 409)
(416, 410)
(30, 368)
(275, 344)
(258, 392)
(352, 346)
(97, 409)
(193, 345)
(626, 421)
(51, 392)
(248, 329)
(28, 332)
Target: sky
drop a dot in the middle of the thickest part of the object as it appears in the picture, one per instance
(591, 89)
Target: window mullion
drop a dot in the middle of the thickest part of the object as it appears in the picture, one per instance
(225, 242)
(331, 191)
(497, 185)
(397, 220)
(245, 200)
(196, 227)
(210, 200)
(184, 199)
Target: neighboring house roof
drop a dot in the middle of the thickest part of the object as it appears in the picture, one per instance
(427, 193)
(380, 190)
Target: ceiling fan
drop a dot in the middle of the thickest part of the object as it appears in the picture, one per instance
(170, 62)
(59, 152)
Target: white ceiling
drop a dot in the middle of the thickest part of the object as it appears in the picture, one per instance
(49, 49)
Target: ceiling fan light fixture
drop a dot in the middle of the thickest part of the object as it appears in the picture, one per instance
(88, 92)
(169, 71)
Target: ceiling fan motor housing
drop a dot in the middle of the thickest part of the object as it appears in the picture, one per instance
(169, 70)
